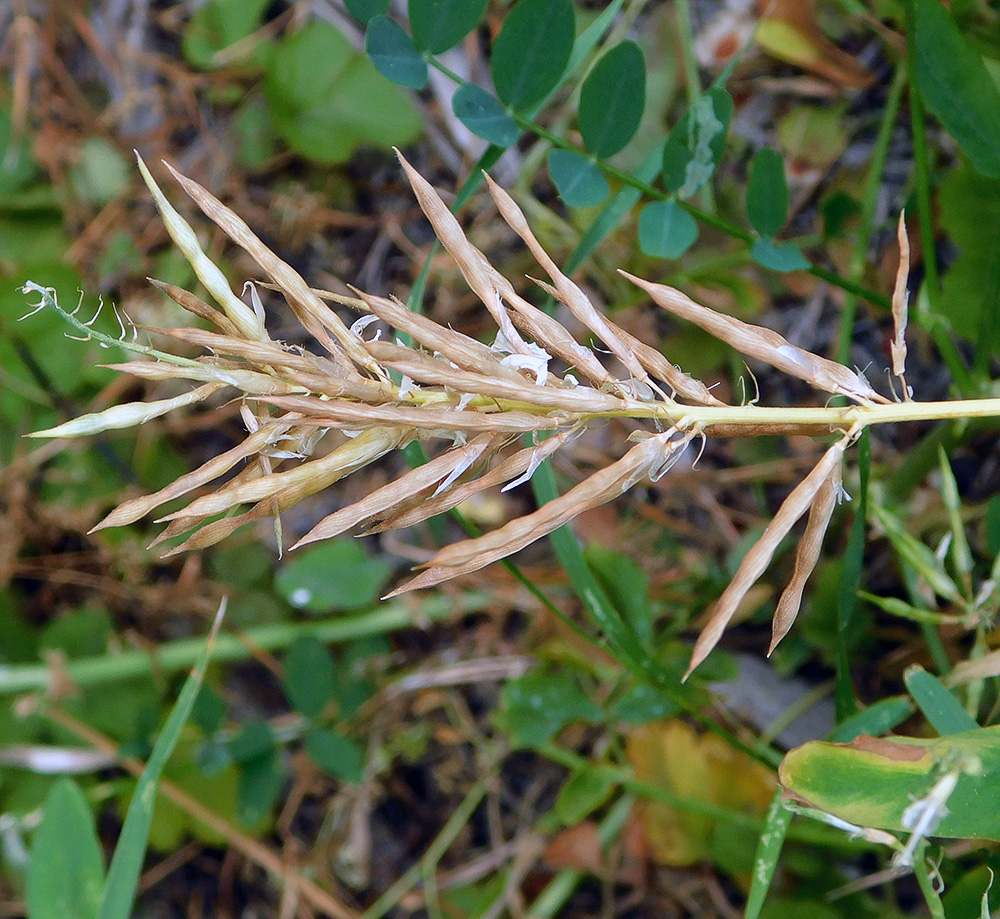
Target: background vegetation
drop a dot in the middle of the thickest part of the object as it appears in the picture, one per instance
(517, 741)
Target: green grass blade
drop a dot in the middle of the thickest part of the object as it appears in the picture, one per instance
(939, 706)
(126, 864)
(768, 851)
(883, 716)
(847, 602)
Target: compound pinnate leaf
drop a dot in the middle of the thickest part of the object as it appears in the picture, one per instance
(955, 85)
(612, 99)
(666, 230)
(366, 9)
(336, 754)
(531, 51)
(786, 257)
(872, 782)
(767, 193)
(579, 182)
(392, 52)
(483, 114)
(441, 24)
(310, 677)
(66, 871)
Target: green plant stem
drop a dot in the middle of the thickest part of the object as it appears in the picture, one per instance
(428, 862)
(859, 258)
(174, 656)
(927, 888)
(557, 892)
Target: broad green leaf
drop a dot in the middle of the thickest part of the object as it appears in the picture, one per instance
(585, 791)
(666, 230)
(579, 182)
(532, 50)
(626, 585)
(483, 114)
(993, 525)
(261, 779)
(768, 851)
(939, 706)
(955, 85)
(66, 871)
(326, 99)
(310, 676)
(209, 710)
(336, 754)
(877, 719)
(696, 143)
(438, 25)
(392, 52)
(612, 99)
(366, 9)
(337, 575)
(100, 173)
(786, 257)
(540, 704)
(254, 739)
(219, 24)
(767, 193)
(641, 703)
(968, 202)
(81, 633)
(120, 886)
(872, 782)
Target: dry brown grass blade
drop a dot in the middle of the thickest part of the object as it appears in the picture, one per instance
(763, 344)
(806, 556)
(900, 303)
(315, 315)
(490, 286)
(304, 479)
(433, 420)
(645, 458)
(504, 472)
(759, 557)
(249, 382)
(137, 508)
(196, 305)
(568, 292)
(408, 486)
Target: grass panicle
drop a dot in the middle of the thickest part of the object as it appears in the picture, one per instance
(479, 409)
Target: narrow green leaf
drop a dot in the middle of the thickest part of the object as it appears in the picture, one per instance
(366, 9)
(310, 678)
(960, 552)
(768, 851)
(532, 50)
(955, 84)
(612, 99)
(767, 193)
(123, 875)
(483, 114)
(579, 182)
(918, 556)
(336, 754)
(66, 871)
(847, 601)
(438, 25)
(939, 706)
(392, 52)
(896, 607)
(786, 257)
(877, 719)
(666, 230)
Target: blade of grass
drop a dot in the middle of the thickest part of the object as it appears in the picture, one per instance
(940, 707)
(847, 602)
(126, 863)
(768, 851)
